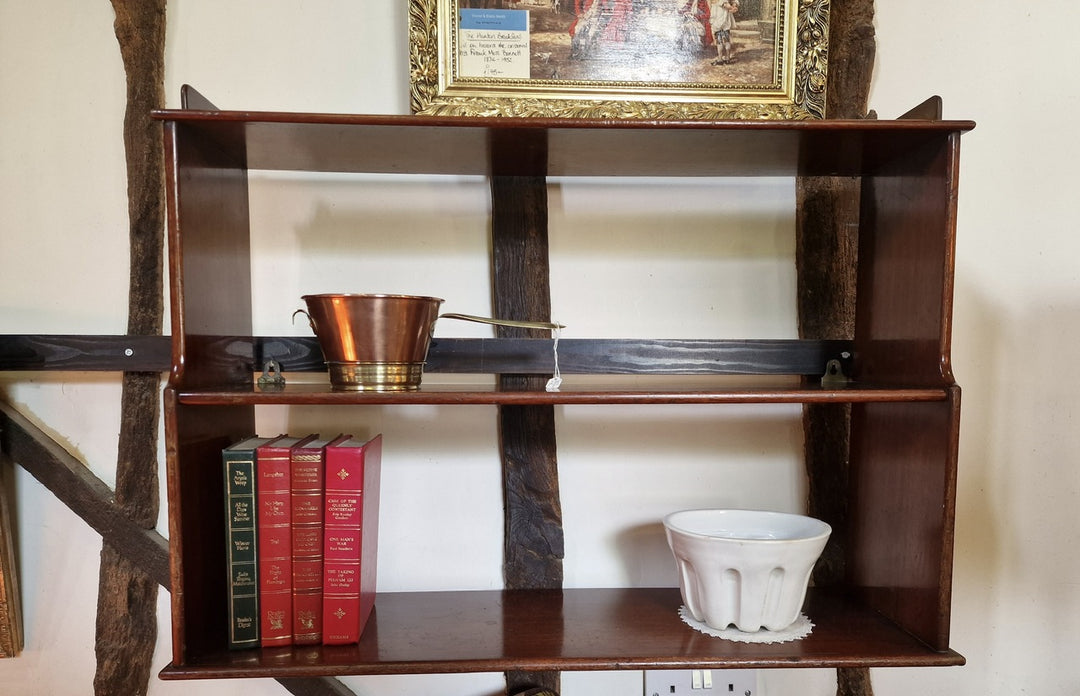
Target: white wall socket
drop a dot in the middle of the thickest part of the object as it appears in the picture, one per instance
(701, 682)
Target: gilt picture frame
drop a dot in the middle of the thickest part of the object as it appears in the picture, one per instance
(620, 59)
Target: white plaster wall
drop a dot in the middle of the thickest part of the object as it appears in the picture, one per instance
(63, 270)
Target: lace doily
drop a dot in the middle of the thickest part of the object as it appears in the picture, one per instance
(799, 629)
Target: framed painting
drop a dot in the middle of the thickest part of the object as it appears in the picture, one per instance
(639, 59)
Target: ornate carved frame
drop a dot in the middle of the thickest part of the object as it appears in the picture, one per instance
(797, 90)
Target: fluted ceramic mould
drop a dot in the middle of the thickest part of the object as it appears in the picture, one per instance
(747, 568)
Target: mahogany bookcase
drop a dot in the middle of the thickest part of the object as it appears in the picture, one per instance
(892, 606)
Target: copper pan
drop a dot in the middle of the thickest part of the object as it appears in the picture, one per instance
(377, 342)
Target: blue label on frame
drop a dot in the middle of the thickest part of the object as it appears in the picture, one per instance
(505, 20)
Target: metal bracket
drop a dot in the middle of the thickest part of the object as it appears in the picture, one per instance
(271, 379)
(834, 375)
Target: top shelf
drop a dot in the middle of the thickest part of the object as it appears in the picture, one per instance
(558, 147)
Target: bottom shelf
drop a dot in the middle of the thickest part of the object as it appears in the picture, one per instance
(567, 630)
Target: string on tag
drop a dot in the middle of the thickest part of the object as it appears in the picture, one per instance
(555, 382)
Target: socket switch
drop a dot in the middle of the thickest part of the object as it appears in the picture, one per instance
(701, 682)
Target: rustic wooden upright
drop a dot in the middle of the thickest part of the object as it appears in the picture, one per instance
(826, 260)
(127, 594)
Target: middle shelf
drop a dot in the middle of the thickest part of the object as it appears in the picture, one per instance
(760, 391)
(598, 371)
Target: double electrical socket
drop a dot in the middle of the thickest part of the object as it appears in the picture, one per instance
(701, 682)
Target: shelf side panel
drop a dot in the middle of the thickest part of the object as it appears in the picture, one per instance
(197, 520)
(903, 497)
(209, 256)
(905, 275)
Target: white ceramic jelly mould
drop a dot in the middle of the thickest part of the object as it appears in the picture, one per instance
(747, 568)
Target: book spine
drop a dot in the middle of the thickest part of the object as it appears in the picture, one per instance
(350, 539)
(369, 523)
(307, 544)
(275, 546)
(239, 468)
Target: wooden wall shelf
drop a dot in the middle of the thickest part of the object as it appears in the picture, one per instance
(892, 607)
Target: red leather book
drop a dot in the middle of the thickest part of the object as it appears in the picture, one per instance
(351, 535)
(274, 533)
(307, 471)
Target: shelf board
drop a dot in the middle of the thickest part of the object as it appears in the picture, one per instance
(557, 147)
(763, 391)
(575, 629)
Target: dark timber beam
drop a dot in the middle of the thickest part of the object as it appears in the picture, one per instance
(127, 595)
(464, 355)
(533, 541)
(826, 241)
(73, 484)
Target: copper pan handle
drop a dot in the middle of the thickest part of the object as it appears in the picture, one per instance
(309, 320)
(504, 322)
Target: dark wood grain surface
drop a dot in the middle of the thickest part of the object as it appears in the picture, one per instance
(572, 629)
(464, 145)
(446, 355)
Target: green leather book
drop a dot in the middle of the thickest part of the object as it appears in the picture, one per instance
(240, 532)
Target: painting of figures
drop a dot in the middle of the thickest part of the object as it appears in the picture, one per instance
(669, 41)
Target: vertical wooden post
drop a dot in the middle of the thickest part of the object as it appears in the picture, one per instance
(127, 606)
(11, 633)
(826, 257)
(533, 546)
